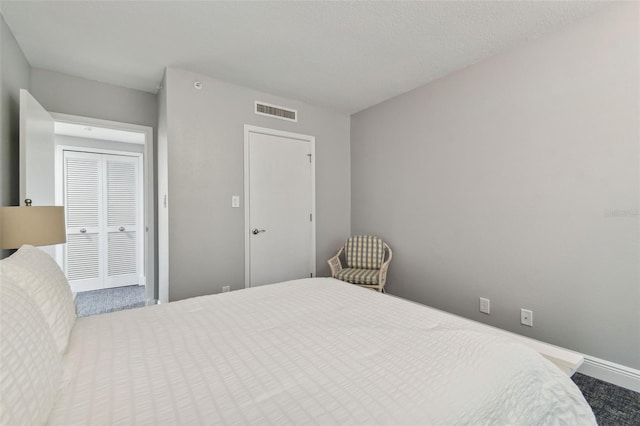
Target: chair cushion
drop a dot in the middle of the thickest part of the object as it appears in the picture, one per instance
(359, 276)
(364, 252)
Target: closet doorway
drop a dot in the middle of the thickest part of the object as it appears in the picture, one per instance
(103, 196)
(104, 178)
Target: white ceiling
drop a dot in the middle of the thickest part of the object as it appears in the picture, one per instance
(343, 55)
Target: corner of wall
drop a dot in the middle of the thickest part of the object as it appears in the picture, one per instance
(15, 75)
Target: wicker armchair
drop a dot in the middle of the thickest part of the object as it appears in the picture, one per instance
(367, 259)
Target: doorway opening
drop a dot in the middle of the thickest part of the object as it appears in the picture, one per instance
(42, 133)
(104, 178)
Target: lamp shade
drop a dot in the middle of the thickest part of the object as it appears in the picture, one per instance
(34, 225)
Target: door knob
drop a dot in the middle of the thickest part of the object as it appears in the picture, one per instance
(121, 228)
(256, 231)
(83, 230)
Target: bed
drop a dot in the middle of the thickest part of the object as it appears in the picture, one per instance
(312, 351)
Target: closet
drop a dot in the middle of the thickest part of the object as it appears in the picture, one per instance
(102, 199)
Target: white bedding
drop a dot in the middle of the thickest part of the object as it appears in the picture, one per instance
(315, 351)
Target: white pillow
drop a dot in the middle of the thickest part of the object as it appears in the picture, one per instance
(40, 276)
(31, 368)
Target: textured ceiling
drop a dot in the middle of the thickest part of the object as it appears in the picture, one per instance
(343, 55)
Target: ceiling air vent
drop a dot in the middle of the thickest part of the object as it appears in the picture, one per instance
(275, 111)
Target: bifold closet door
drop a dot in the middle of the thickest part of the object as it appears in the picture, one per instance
(102, 201)
(83, 184)
(121, 220)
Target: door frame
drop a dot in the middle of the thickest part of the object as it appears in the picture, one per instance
(248, 129)
(148, 206)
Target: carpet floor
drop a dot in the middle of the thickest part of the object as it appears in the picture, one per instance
(109, 300)
(611, 404)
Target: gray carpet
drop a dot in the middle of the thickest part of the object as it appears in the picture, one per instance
(109, 300)
(612, 405)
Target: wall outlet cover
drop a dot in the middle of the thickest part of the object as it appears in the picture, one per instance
(485, 305)
(526, 317)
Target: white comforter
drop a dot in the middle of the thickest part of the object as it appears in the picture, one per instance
(315, 351)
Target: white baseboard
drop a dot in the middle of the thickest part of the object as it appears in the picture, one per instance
(607, 371)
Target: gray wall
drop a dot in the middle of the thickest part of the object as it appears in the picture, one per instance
(205, 150)
(97, 144)
(67, 94)
(517, 179)
(14, 75)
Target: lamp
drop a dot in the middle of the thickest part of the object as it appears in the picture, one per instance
(38, 226)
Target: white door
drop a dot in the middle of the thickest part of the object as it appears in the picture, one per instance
(102, 198)
(279, 206)
(123, 215)
(83, 195)
(37, 150)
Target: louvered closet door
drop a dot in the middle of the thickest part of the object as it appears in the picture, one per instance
(102, 201)
(83, 179)
(122, 220)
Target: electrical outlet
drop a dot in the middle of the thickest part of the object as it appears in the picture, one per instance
(226, 288)
(485, 305)
(526, 317)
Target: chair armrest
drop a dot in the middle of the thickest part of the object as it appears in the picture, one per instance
(335, 264)
(385, 266)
